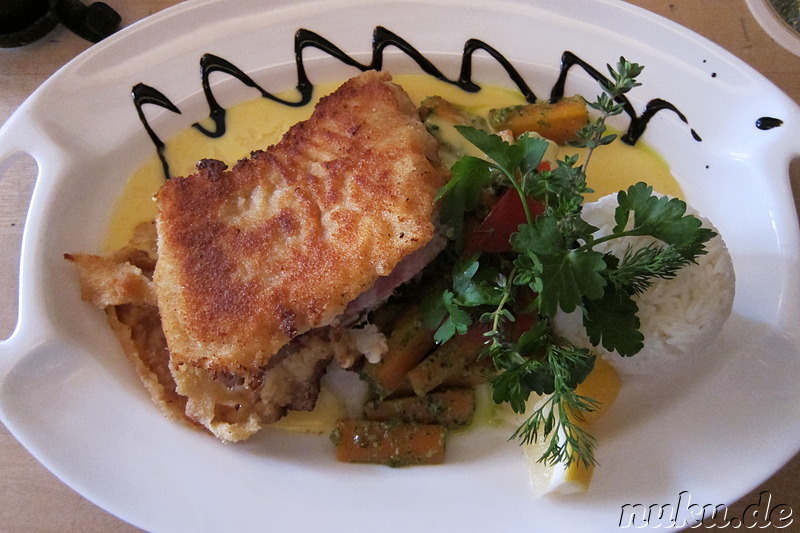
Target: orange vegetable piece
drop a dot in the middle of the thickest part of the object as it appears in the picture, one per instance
(447, 361)
(388, 443)
(558, 122)
(450, 408)
(408, 342)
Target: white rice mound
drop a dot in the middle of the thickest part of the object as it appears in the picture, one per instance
(679, 317)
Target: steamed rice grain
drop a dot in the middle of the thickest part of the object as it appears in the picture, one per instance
(679, 317)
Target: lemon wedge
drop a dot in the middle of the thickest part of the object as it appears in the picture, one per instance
(602, 385)
(558, 478)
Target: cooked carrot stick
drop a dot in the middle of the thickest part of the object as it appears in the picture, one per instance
(408, 342)
(388, 443)
(450, 408)
(448, 360)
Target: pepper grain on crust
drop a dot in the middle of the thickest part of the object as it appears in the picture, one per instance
(252, 257)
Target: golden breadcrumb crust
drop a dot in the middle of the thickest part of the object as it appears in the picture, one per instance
(250, 258)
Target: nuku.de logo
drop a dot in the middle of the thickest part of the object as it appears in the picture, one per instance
(684, 513)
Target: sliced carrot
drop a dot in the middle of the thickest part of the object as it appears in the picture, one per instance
(450, 408)
(558, 122)
(445, 362)
(408, 342)
(388, 443)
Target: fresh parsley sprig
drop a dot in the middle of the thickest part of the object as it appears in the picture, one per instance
(555, 264)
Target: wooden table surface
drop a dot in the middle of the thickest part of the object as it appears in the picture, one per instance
(31, 498)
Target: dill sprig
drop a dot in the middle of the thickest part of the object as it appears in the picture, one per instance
(555, 265)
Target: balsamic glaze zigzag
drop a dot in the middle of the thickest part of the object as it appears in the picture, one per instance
(382, 38)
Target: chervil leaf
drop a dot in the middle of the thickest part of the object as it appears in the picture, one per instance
(446, 331)
(457, 321)
(433, 310)
(474, 285)
(561, 276)
(569, 278)
(612, 322)
(507, 156)
(559, 367)
(532, 150)
(543, 237)
(660, 217)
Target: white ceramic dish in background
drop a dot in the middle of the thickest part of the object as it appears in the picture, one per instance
(69, 396)
(774, 25)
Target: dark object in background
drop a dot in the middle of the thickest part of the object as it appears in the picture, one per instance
(93, 22)
(25, 21)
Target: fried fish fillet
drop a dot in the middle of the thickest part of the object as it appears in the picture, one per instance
(253, 257)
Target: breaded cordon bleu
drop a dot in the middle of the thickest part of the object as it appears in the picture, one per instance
(265, 271)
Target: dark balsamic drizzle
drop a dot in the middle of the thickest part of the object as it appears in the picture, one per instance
(638, 123)
(210, 63)
(767, 123)
(382, 38)
(144, 94)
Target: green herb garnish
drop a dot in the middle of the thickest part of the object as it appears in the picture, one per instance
(554, 265)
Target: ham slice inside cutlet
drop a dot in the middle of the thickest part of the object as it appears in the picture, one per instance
(256, 264)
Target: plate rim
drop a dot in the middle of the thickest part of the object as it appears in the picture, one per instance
(26, 341)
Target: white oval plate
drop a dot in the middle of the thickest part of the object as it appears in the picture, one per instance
(67, 393)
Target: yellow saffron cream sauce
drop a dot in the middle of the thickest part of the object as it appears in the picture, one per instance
(259, 123)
